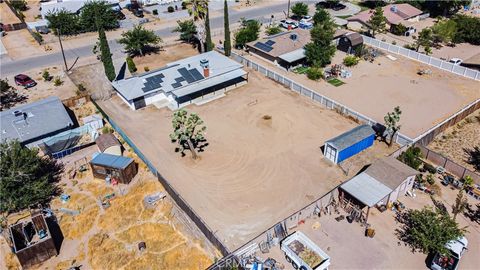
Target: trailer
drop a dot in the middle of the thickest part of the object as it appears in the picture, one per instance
(303, 253)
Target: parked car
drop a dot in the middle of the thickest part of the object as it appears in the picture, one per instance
(456, 61)
(447, 179)
(289, 24)
(42, 29)
(24, 80)
(120, 15)
(338, 7)
(330, 5)
(305, 25)
(306, 19)
(450, 261)
(294, 247)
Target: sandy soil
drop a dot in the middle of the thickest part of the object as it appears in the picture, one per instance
(44, 88)
(251, 166)
(6, 14)
(375, 89)
(349, 248)
(16, 43)
(453, 141)
(167, 55)
(33, 11)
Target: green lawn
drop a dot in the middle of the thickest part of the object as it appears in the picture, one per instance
(335, 82)
(301, 70)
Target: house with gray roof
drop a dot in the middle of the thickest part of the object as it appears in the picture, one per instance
(71, 6)
(194, 79)
(30, 123)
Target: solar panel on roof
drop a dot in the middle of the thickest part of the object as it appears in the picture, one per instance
(263, 47)
(270, 42)
(176, 85)
(188, 77)
(179, 79)
(196, 74)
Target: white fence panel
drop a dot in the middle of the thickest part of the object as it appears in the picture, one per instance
(447, 66)
(459, 70)
(470, 73)
(424, 58)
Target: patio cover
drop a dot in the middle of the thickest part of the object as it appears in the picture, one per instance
(293, 56)
(366, 189)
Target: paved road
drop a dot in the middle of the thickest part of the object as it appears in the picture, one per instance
(8, 67)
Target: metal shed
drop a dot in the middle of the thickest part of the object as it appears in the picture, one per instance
(108, 144)
(349, 143)
(120, 168)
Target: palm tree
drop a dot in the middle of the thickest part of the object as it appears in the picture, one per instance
(198, 9)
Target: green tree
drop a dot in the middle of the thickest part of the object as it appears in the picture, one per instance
(300, 9)
(425, 39)
(9, 96)
(188, 131)
(273, 30)
(468, 29)
(467, 182)
(198, 10)
(187, 30)
(377, 21)
(208, 34)
(249, 32)
(105, 54)
(473, 157)
(320, 50)
(460, 205)
(411, 157)
(64, 22)
(19, 5)
(428, 230)
(27, 179)
(391, 122)
(444, 31)
(138, 39)
(227, 44)
(130, 64)
(107, 17)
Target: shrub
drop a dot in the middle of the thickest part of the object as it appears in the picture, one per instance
(38, 37)
(399, 29)
(315, 73)
(411, 157)
(146, 68)
(107, 130)
(155, 12)
(350, 60)
(46, 75)
(248, 32)
(57, 81)
(273, 30)
(409, 47)
(81, 88)
(170, 9)
(429, 168)
(184, 5)
(131, 65)
(430, 179)
(394, 42)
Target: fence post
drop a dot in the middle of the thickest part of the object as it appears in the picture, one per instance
(430, 61)
(463, 174)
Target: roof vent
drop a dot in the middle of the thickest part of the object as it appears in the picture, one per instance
(17, 113)
(204, 63)
(394, 9)
(293, 37)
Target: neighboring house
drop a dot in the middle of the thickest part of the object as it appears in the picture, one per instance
(32, 240)
(285, 49)
(108, 144)
(194, 79)
(382, 183)
(72, 6)
(349, 143)
(35, 121)
(395, 14)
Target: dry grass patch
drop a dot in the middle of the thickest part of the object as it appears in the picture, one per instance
(74, 227)
(158, 237)
(98, 188)
(106, 253)
(180, 258)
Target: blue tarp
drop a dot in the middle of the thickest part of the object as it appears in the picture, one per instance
(112, 161)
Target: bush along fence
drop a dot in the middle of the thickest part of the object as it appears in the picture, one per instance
(328, 103)
(182, 204)
(449, 165)
(429, 60)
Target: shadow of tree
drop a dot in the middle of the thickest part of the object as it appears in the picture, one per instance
(473, 214)
(473, 157)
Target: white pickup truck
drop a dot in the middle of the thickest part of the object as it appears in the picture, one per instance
(450, 262)
(303, 253)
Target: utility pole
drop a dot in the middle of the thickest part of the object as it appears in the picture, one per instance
(61, 47)
(288, 9)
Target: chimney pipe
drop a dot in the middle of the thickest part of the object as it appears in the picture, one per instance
(206, 72)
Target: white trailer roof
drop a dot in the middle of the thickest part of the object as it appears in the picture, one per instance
(366, 189)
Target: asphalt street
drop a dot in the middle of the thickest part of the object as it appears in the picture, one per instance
(8, 67)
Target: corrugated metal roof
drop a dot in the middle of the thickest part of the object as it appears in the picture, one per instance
(112, 161)
(34, 120)
(366, 189)
(293, 55)
(351, 137)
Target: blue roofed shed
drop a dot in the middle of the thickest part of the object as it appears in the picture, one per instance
(349, 143)
(120, 168)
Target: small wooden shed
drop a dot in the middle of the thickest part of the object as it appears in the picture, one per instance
(350, 42)
(108, 144)
(32, 241)
(122, 169)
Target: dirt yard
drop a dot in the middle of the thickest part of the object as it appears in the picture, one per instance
(169, 54)
(348, 247)
(254, 172)
(453, 141)
(6, 14)
(98, 238)
(376, 88)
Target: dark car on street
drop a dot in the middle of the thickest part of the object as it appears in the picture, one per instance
(24, 80)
